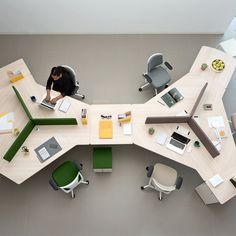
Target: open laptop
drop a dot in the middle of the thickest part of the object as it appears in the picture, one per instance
(177, 143)
(47, 105)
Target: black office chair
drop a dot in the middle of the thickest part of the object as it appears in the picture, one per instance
(75, 93)
(157, 75)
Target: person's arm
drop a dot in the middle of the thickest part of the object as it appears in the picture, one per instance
(49, 85)
(54, 100)
(48, 97)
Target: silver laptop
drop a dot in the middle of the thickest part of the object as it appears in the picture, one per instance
(48, 105)
(177, 143)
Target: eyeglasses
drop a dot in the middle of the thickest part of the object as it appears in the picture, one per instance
(106, 117)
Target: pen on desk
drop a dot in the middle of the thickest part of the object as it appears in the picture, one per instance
(161, 103)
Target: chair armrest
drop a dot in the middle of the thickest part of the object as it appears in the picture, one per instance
(53, 184)
(147, 77)
(179, 182)
(168, 65)
(149, 171)
(78, 165)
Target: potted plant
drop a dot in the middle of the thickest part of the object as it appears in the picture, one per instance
(204, 66)
(151, 131)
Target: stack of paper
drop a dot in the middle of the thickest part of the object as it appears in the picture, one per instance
(161, 138)
(64, 106)
(215, 180)
(127, 129)
(216, 121)
(6, 122)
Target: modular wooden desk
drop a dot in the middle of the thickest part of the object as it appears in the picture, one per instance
(24, 166)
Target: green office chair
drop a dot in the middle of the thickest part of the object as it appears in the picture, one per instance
(163, 179)
(67, 176)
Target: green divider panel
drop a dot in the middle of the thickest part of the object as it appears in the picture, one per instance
(19, 141)
(55, 121)
(22, 102)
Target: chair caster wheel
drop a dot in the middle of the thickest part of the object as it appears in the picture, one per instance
(83, 97)
(140, 89)
(142, 188)
(87, 182)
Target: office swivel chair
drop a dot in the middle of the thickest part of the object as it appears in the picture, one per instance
(67, 176)
(156, 75)
(163, 179)
(233, 122)
(72, 74)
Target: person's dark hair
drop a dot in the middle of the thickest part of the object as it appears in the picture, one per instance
(57, 70)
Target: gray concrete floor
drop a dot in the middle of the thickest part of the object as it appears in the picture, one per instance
(109, 69)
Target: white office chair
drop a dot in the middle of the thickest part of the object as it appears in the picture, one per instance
(75, 93)
(233, 122)
(228, 46)
(163, 179)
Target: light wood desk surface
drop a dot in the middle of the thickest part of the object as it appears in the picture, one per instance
(22, 167)
(109, 109)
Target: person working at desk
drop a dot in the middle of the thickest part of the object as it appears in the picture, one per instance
(60, 78)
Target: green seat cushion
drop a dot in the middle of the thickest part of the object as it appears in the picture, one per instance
(102, 158)
(65, 173)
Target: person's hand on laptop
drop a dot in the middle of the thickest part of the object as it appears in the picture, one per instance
(54, 100)
(48, 97)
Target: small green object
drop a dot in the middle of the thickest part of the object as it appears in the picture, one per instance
(204, 66)
(102, 158)
(65, 173)
(151, 131)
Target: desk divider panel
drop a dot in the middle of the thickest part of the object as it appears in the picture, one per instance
(55, 121)
(203, 138)
(22, 102)
(30, 125)
(166, 119)
(19, 141)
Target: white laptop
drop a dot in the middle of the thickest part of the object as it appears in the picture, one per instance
(177, 143)
(47, 105)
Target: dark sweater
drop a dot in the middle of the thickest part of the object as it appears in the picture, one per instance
(64, 85)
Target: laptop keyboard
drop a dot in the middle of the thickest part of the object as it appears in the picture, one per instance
(177, 144)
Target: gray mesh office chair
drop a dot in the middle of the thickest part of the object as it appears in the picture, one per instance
(163, 179)
(75, 93)
(156, 75)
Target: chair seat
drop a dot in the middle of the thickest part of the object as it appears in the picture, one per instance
(65, 173)
(159, 76)
(164, 175)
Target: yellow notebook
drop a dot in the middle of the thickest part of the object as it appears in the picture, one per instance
(105, 129)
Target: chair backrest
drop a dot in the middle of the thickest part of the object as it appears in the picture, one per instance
(154, 61)
(73, 77)
(166, 177)
(71, 72)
